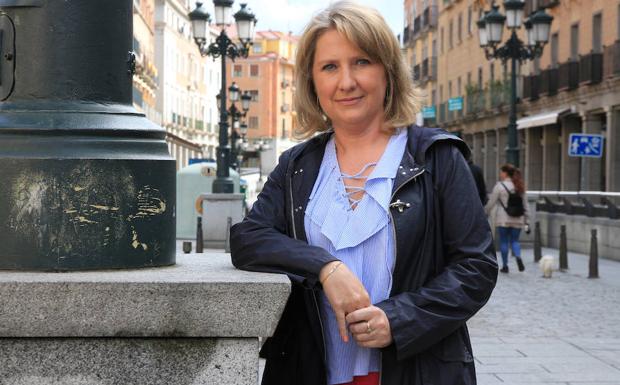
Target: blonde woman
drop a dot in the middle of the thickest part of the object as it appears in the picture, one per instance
(377, 222)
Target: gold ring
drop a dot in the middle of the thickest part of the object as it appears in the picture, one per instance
(368, 328)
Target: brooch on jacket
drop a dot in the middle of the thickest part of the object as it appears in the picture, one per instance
(400, 206)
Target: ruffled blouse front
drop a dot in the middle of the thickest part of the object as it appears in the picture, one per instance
(362, 239)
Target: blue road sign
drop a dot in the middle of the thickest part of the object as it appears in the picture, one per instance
(428, 112)
(588, 145)
(455, 104)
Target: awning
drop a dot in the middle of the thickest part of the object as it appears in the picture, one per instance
(541, 119)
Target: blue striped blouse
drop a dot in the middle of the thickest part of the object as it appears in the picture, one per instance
(360, 238)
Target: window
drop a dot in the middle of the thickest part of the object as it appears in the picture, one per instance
(470, 25)
(433, 97)
(458, 86)
(253, 122)
(491, 72)
(258, 48)
(554, 50)
(441, 93)
(480, 77)
(254, 70)
(441, 39)
(254, 95)
(574, 41)
(450, 34)
(469, 78)
(459, 31)
(597, 33)
(449, 89)
(238, 70)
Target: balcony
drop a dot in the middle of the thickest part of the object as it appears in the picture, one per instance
(499, 93)
(591, 68)
(429, 70)
(568, 75)
(417, 27)
(285, 108)
(611, 60)
(549, 81)
(406, 36)
(416, 73)
(531, 87)
(429, 18)
(475, 99)
(285, 83)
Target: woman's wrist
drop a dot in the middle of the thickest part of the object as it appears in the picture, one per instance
(328, 269)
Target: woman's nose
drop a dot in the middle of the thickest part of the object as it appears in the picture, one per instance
(347, 80)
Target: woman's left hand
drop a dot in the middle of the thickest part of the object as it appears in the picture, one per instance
(370, 327)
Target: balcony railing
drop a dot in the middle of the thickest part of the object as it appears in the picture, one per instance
(499, 93)
(428, 69)
(429, 18)
(417, 26)
(416, 73)
(406, 36)
(476, 99)
(549, 81)
(611, 60)
(568, 75)
(591, 68)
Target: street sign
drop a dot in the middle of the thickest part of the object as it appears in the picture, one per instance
(428, 112)
(455, 104)
(585, 145)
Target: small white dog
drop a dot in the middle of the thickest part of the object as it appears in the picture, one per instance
(546, 265)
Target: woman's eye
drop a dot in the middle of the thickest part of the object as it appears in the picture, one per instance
(363, 61)
(328, 67)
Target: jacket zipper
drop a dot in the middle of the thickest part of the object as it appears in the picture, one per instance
(392, 217)
(316, 304)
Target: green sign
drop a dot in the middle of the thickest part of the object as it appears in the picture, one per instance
(455, 104)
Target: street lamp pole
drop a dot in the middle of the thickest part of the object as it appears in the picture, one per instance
(223, 47)
(490, 29)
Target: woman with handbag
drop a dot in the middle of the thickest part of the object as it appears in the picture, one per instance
(507, 207)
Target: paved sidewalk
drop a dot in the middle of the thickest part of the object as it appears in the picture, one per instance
(563, 330)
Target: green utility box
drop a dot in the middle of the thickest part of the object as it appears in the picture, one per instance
(192, 181)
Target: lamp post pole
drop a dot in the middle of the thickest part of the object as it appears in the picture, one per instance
(490, 28)
(223, 47)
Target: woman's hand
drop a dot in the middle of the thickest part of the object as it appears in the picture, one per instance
(370, 327)
(345, 293)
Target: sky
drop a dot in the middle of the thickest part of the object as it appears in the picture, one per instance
(292, 15)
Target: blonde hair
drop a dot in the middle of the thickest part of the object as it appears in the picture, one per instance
(367, 29)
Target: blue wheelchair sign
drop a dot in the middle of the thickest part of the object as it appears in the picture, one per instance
(588, 145)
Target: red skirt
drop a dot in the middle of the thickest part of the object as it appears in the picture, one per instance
(371, 378)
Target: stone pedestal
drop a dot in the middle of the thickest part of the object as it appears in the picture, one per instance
(197, 322)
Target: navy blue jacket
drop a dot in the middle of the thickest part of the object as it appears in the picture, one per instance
(445, 266)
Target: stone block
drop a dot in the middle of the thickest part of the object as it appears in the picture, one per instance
(125, 361)
(203, 295)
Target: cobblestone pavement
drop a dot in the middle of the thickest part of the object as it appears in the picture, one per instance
(563, 330)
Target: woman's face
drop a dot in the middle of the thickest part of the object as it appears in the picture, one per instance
(350, 86)
(503, 174)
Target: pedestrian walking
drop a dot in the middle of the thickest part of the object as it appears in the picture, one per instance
(376, 221)
(476, 171)
(507, 208)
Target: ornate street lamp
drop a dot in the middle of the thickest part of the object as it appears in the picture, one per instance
(490, 28)
(223, 47)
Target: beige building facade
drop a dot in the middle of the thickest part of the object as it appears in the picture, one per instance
(574, 87)
(267, 74)
(188, 84)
